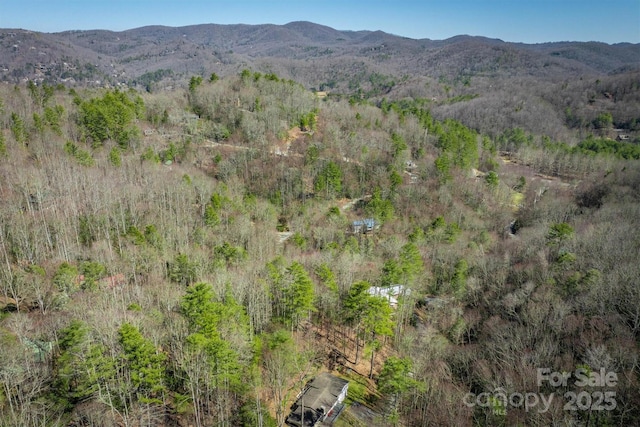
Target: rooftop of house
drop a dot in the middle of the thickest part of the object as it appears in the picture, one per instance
(391, 293)
(320, 396)
(368, 222)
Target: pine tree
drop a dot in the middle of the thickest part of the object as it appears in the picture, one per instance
(299, 294)
(82, 369)
(145, 363)
(207, 318)
(395, 376)
(410, 262)
(329, 180)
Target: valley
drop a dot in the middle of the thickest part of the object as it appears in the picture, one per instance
(199, 221)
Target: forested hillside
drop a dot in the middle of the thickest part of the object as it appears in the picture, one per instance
(193, 256)
(558, 90)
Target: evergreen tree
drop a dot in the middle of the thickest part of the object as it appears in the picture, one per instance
(114, 157)
(145, 363)
(492, 179)
(206, 318)
(194, 82)
(395, 376)
(398, 145)
(328, 277)
(18, 129)
(298, 294)
(329, 180)
(66, 278)
(410, 262)
(459, 278)
(558, 233)
(182, 270)
(111, 118)
(82, 369)
(380, 208)
(391, 272)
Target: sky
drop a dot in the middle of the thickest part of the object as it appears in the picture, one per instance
(527, 21)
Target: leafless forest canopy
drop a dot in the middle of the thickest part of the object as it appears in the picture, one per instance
(197, 221)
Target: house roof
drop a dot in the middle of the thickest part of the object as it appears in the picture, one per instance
(391, 293)
(320, 396)
(368, 222)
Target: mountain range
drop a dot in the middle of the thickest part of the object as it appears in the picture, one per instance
(312, 54)
(555, 89)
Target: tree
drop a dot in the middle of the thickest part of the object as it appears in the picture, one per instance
(391, 272)
(40, 94)
(213, 209)
(398, 145)
(18, 129)
(354, 305)
(280, 361)
(459, 148)
(410, 261)
(213, 366)
(227, 254)
(92, 271)
(395, 379)
(376, 322)
(197, 306)
(395, 179)
(114, 157)
(459, 278)
(312, 155)
(211, 217)
(153, 237)
(245, 74)
(82, 369)
(327, 277)
(182, 270)
(144, 362)
(298, 294)
(492, 179)
(370, 315)
(38, 123)
(328, 297)
(194, 82)
(66, 278)
(403, 271)
(395, 376)
(329, 180)
(380, 208)
(443, 167)
(559, 233)
(603, 121)
(308, 121)
(83, 157)
(111, 118)
(592, 196)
